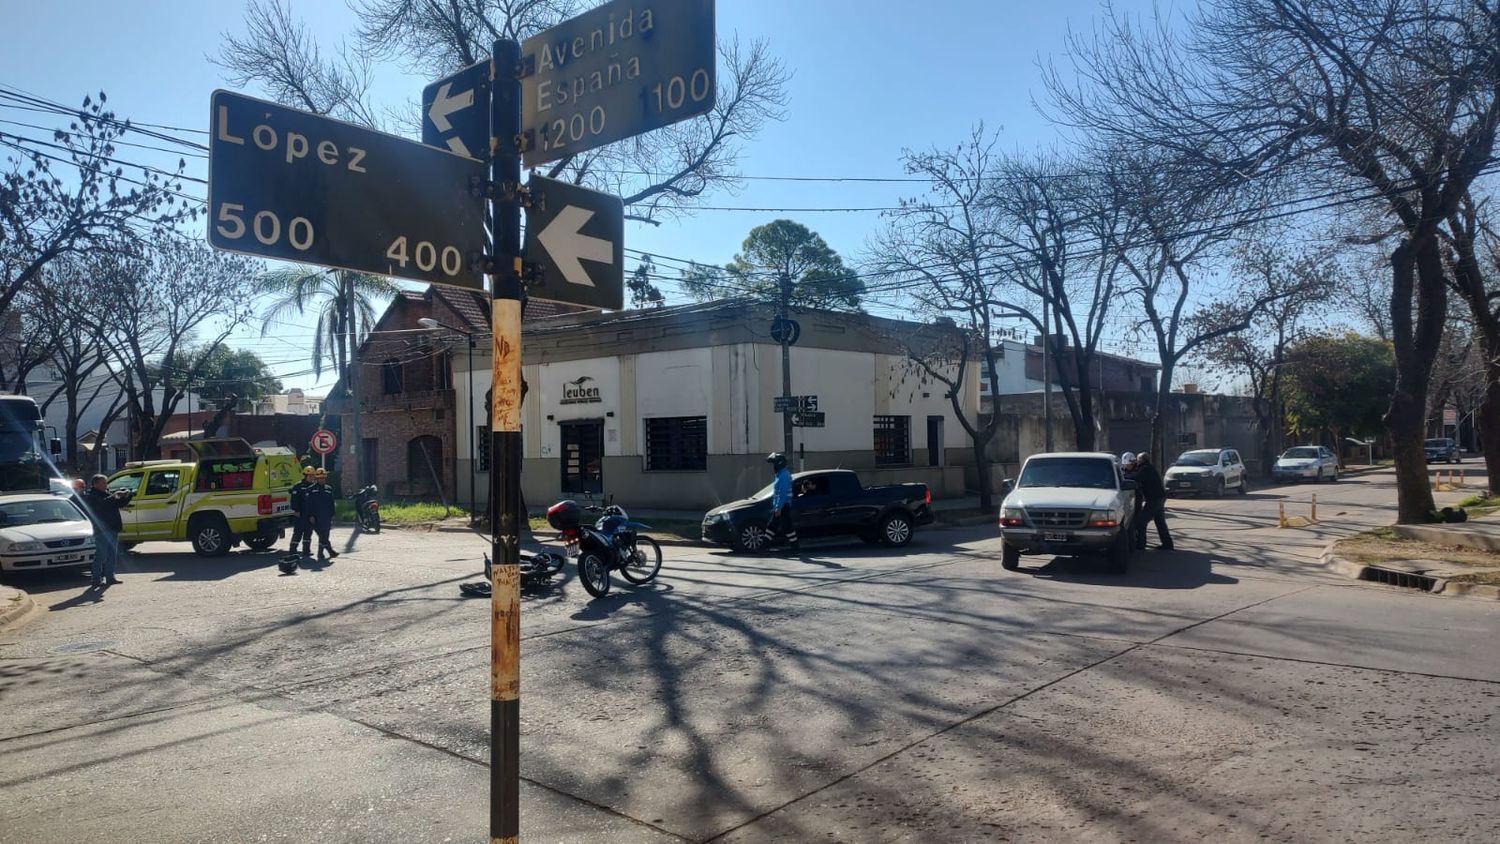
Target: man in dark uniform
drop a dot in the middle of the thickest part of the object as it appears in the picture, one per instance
(317, 507)
(300, 532)
(104, 511)
(1153, 503)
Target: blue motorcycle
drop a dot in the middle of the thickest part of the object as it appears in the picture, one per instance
(614, 543)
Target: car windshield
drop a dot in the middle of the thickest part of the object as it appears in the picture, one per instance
(765, 492)
(1437, 443)
(1198, 458)
(1300, 454)
(1087, 472)
(13, 513)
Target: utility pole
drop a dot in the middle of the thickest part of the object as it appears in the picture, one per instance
(786, 364)
(1046, 377)
(353, 443)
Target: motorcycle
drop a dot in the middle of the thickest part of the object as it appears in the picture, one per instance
(367, 508)
(614, 543)
(536, 569)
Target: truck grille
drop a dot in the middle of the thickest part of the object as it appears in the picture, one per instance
(65, 543)
(1058, 518)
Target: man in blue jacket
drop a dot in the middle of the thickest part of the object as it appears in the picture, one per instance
(781, 500)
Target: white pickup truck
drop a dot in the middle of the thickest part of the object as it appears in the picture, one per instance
(1068, 504)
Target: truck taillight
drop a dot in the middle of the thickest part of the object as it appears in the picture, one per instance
(929, 496)
(263, 505)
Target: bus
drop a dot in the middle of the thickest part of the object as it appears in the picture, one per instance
(26, 457)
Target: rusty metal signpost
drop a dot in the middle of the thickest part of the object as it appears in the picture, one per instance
(285, 179)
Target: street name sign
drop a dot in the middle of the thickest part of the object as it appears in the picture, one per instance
(624, 68)
(796, 404)
(297, 186)
(576, 236)
(456, 112)
(807, 420)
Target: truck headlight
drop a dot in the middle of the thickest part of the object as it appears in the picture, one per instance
(26, 547)
(1012, 517)
(1104, 519)
(715, 518)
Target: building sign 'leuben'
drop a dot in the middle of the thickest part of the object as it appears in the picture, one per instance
(616, 71)
(581, 391)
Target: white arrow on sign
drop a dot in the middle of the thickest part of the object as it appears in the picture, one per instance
(444, 105)
(569, 247)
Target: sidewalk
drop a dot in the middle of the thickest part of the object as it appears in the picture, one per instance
(14, 605)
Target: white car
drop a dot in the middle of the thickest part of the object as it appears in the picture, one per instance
(1206, 471)
(1068, 504)
(40, 531)
(1306, 463)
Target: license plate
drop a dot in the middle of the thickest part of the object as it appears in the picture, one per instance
(67, 558)
(280, 509)
(570, 550)
(1053, 536)
(1182, 484)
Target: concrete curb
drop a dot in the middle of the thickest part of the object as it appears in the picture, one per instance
(18, 611)
(1441, 586)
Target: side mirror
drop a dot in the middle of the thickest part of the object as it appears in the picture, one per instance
(55, 445)
(1128, 484)
(1007, 486)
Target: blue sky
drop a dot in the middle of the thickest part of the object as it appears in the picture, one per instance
(869, 78)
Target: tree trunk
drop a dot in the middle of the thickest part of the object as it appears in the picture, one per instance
(1163, 393)
(1415, 267)
(70, 426)
(1489, 418)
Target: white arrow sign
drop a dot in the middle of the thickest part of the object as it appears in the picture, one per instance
(569, 247)
(444, 105)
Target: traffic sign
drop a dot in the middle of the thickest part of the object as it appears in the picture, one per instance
(297, 186)
(456, 112)
(616, 71)
(796, 404)
(324, 442)
(577, 237)
(807, 420)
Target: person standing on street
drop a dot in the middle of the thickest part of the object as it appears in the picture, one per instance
(104, 511)
(317, 506)
(300, 532)
(1154, 503)
(781, 501)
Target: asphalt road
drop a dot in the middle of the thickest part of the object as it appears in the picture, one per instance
(1230, 689)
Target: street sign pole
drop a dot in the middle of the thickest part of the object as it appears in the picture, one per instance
(505, 443)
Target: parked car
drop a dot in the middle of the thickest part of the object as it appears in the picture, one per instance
(1206, 471)
(829, 502)
(1068, 503)
(233, 493)
(1443, 449)
(39, 531)
(1306, 463)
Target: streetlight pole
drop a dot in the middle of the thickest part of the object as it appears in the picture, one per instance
(429, 322)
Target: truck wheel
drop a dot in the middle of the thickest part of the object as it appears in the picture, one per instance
(1010, 557)
(750, 538)
(1118, 559)
(261, 541)
(211, 536)
(895, 530)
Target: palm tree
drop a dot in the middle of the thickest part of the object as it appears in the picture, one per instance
(302, 290)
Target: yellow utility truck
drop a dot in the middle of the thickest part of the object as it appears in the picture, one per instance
(232, 493)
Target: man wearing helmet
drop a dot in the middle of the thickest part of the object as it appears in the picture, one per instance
(317, 504)
(300, 532)
(781, 500)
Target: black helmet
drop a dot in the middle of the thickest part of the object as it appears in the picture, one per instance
(777, 460)
(287, 564)
(564, 515)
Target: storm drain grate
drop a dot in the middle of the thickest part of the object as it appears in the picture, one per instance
(1404, 579)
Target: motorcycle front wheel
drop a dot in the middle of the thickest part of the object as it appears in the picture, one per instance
(644, 562)
(593, 573)
(374, 521)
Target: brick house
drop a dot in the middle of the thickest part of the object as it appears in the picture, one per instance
(408, 427)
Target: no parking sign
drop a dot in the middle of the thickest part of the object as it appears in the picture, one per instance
(324, 442)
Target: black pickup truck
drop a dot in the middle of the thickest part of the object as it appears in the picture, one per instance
(830, 502)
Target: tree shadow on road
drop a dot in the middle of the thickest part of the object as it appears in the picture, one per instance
(1153, 569)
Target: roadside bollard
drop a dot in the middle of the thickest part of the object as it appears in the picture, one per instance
(1314, 515)
(1281, 515)
(1461, 478)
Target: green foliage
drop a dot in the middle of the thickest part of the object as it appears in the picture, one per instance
(227, 375)
(301, 290)
(644, 294)
(1340, 383)
(778, 253)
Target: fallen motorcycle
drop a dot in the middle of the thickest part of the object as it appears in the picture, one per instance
(536, 569)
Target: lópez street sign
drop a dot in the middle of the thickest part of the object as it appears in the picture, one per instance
(576, 236)
(624, 68)
(296, 186)
(456, 112)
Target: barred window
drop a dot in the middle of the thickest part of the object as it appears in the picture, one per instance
(677, 444)
(892, 440)
(482, 447)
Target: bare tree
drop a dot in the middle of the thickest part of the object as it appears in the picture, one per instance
(659, 175)
(1398, 99)
(1477, 282)
(67, 298)
(25, 342)
(91, 203)
(168, 313)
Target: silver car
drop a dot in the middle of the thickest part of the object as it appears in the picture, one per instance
(1306, 463)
